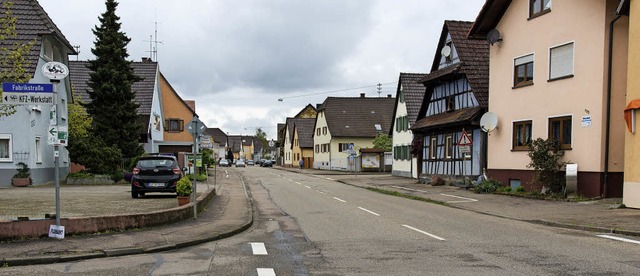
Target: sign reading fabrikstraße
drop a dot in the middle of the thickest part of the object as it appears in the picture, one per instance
(27, 93)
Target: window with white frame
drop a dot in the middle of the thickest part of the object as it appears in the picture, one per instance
(448, 146)
(561, 61)
(5, 147)
(38, 149)
(523, 71)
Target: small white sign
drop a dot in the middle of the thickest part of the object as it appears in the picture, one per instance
(56, 231)
(465, 149)
(55, 70)
(586, 121)
(52, 135)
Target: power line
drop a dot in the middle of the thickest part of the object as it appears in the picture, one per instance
(335, 91)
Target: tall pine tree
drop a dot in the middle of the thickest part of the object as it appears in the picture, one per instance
(112, 107)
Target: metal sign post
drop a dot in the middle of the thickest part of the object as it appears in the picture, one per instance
(56, 72)
(196, 128)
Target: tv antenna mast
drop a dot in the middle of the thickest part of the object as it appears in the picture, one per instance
(379, 90)
(153, 43)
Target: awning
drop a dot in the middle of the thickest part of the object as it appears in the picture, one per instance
(629, 113)
(460, 116)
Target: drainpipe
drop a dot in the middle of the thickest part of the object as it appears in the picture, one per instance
(608, 123)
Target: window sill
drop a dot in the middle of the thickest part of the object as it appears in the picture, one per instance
(522, 85)
(561, 78)
(533, 16)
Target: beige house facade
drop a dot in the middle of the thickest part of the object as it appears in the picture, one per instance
(549, 77)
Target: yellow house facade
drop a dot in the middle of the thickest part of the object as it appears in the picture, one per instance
(631, 195)
(177, 113)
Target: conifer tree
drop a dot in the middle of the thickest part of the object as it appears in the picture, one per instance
(112, 105)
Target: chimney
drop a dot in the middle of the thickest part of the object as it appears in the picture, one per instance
(191, 104)
(361, 95)
(146, 59)
(388, 95)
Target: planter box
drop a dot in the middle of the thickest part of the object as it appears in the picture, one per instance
(21, 182)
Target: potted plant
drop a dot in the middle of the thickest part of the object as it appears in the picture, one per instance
(184, 190)
(23, 177)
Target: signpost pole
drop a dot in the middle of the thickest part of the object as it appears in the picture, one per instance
(56, 154)
(195, 171)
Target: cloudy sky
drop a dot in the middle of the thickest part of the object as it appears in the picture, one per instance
(236, 58)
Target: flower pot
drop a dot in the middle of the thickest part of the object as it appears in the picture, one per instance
(182, 200)
(21, 182)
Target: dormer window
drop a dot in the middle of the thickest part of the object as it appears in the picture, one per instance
(539, 7)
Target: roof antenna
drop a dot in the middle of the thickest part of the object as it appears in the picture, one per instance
(379, 89)
(153, 43)
(77, 48)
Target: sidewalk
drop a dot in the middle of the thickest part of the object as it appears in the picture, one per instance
(597, 215)
(228, 213)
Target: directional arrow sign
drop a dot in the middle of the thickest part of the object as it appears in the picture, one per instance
(52, 135)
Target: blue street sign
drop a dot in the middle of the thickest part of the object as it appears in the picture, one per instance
(27, 87)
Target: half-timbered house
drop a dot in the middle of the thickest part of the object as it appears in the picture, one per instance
(455, 99)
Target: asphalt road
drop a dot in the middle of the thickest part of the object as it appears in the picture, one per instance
(308, 225)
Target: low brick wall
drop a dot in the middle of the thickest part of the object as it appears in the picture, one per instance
(11, 230)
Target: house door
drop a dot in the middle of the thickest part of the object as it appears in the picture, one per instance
(308, 162)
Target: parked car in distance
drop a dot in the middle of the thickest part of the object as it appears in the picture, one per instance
(240, 163)
(155, 174)
(224, 163)
(266, 163)
(250, 163)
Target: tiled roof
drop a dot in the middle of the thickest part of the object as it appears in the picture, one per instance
(79, 77)
(474, 58)
(305, 132)
(235, 142)
(413, 93)
(357, 117)
(488, 17)
(460, 116)
(217, 135)
(32, 22)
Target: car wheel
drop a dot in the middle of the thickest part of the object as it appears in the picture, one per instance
(141, 194)
(134, 194)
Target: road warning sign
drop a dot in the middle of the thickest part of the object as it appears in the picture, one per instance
(465, 140)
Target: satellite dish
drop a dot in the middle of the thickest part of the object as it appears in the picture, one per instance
(489, 122)
(446, 51)
(493, 36)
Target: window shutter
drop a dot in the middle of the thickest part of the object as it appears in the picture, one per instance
(561, 61)
(181, 125)
(166, 125)
(523, 60)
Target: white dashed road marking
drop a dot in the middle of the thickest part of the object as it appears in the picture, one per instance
(339, 199)
(423, 232)
(307, 187)
(258, 248)
(266, 272)
(368, 211)
(465, 199)
(619, 239)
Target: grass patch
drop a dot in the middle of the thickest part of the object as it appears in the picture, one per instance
(399, 194)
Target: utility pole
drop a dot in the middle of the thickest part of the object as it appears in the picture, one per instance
(379, 90)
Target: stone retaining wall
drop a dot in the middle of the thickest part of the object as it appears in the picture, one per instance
(11, 230)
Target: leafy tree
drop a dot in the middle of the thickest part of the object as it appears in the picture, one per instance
(79, 125)
(262, 136)
(207, 157)
(97, 156)
(12, 55)
(112, 107)
(545, 160)
(230, 155)
(383, 141)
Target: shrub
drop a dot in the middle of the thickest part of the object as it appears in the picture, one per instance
(520, 189)
(488, 186)
(545, 160)
(117, 176)
(80, 174)
(504, 189)
(199, 177)
(23, 171)
(184, 187)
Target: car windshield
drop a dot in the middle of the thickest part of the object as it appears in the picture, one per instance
(155, 163)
